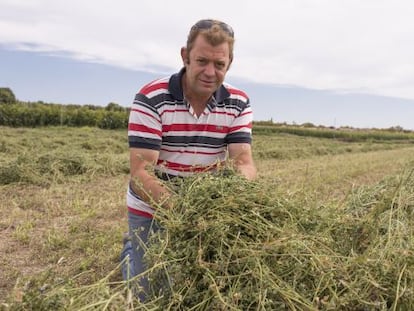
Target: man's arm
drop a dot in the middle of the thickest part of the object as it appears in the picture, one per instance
(240, 155)
(144, 182)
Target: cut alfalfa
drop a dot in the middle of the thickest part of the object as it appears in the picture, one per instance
(62, 163)
(43, 169)
(376, 235)
(22, 169)
(229, 244)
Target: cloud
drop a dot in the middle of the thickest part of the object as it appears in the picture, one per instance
(323, 44)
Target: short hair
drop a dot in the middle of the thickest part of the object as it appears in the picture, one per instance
(214, 31)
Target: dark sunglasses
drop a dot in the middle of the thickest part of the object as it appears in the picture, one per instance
(208, 23)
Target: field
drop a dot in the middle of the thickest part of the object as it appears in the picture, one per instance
(62, 196)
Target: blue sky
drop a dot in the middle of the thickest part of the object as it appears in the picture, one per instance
(329, 62)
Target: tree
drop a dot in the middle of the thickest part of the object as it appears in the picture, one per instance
(114, 107)
(7, 96)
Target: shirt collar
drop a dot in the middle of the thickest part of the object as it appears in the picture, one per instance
(176, 89)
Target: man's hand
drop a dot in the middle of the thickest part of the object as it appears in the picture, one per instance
(144, 182)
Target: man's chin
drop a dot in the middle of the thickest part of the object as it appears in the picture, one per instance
(207, 90)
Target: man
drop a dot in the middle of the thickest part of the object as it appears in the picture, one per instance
(187, 123)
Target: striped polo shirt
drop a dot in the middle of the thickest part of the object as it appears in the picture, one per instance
(161, 119)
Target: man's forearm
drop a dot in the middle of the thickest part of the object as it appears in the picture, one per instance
(150, 189)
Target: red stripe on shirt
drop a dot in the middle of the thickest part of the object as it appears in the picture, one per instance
(143, 128)
(195, 127)
(139, 213)
(245, 113)
(236, 128)
(152, 86)
(237, 92)
(186, 168)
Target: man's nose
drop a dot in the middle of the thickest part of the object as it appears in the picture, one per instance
(210, 69)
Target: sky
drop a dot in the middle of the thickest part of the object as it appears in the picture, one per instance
(328, 62)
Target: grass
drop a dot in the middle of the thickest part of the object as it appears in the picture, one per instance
(62, 210)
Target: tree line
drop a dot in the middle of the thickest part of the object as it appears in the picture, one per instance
(15, 113)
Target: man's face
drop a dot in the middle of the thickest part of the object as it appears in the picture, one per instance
(206, 67)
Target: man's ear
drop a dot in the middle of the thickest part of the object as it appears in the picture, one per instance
(231, 60)
(185, 56)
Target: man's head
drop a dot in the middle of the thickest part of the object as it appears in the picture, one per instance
(207, 56)
(214, 31)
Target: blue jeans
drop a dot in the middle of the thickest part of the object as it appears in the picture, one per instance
(134, 248)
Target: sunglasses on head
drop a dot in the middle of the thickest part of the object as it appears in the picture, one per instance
(208, 23)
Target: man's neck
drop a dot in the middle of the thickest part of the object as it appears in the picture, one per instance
(198, 103)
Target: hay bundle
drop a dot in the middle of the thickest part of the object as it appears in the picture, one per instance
(220, 245)
(43, 169)
(230, 244)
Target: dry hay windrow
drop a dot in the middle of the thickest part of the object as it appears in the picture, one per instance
(57, 166)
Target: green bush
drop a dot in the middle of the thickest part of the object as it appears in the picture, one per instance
(22, 114)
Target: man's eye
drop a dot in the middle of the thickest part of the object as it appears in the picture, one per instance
(220, 65)
(202, 61)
